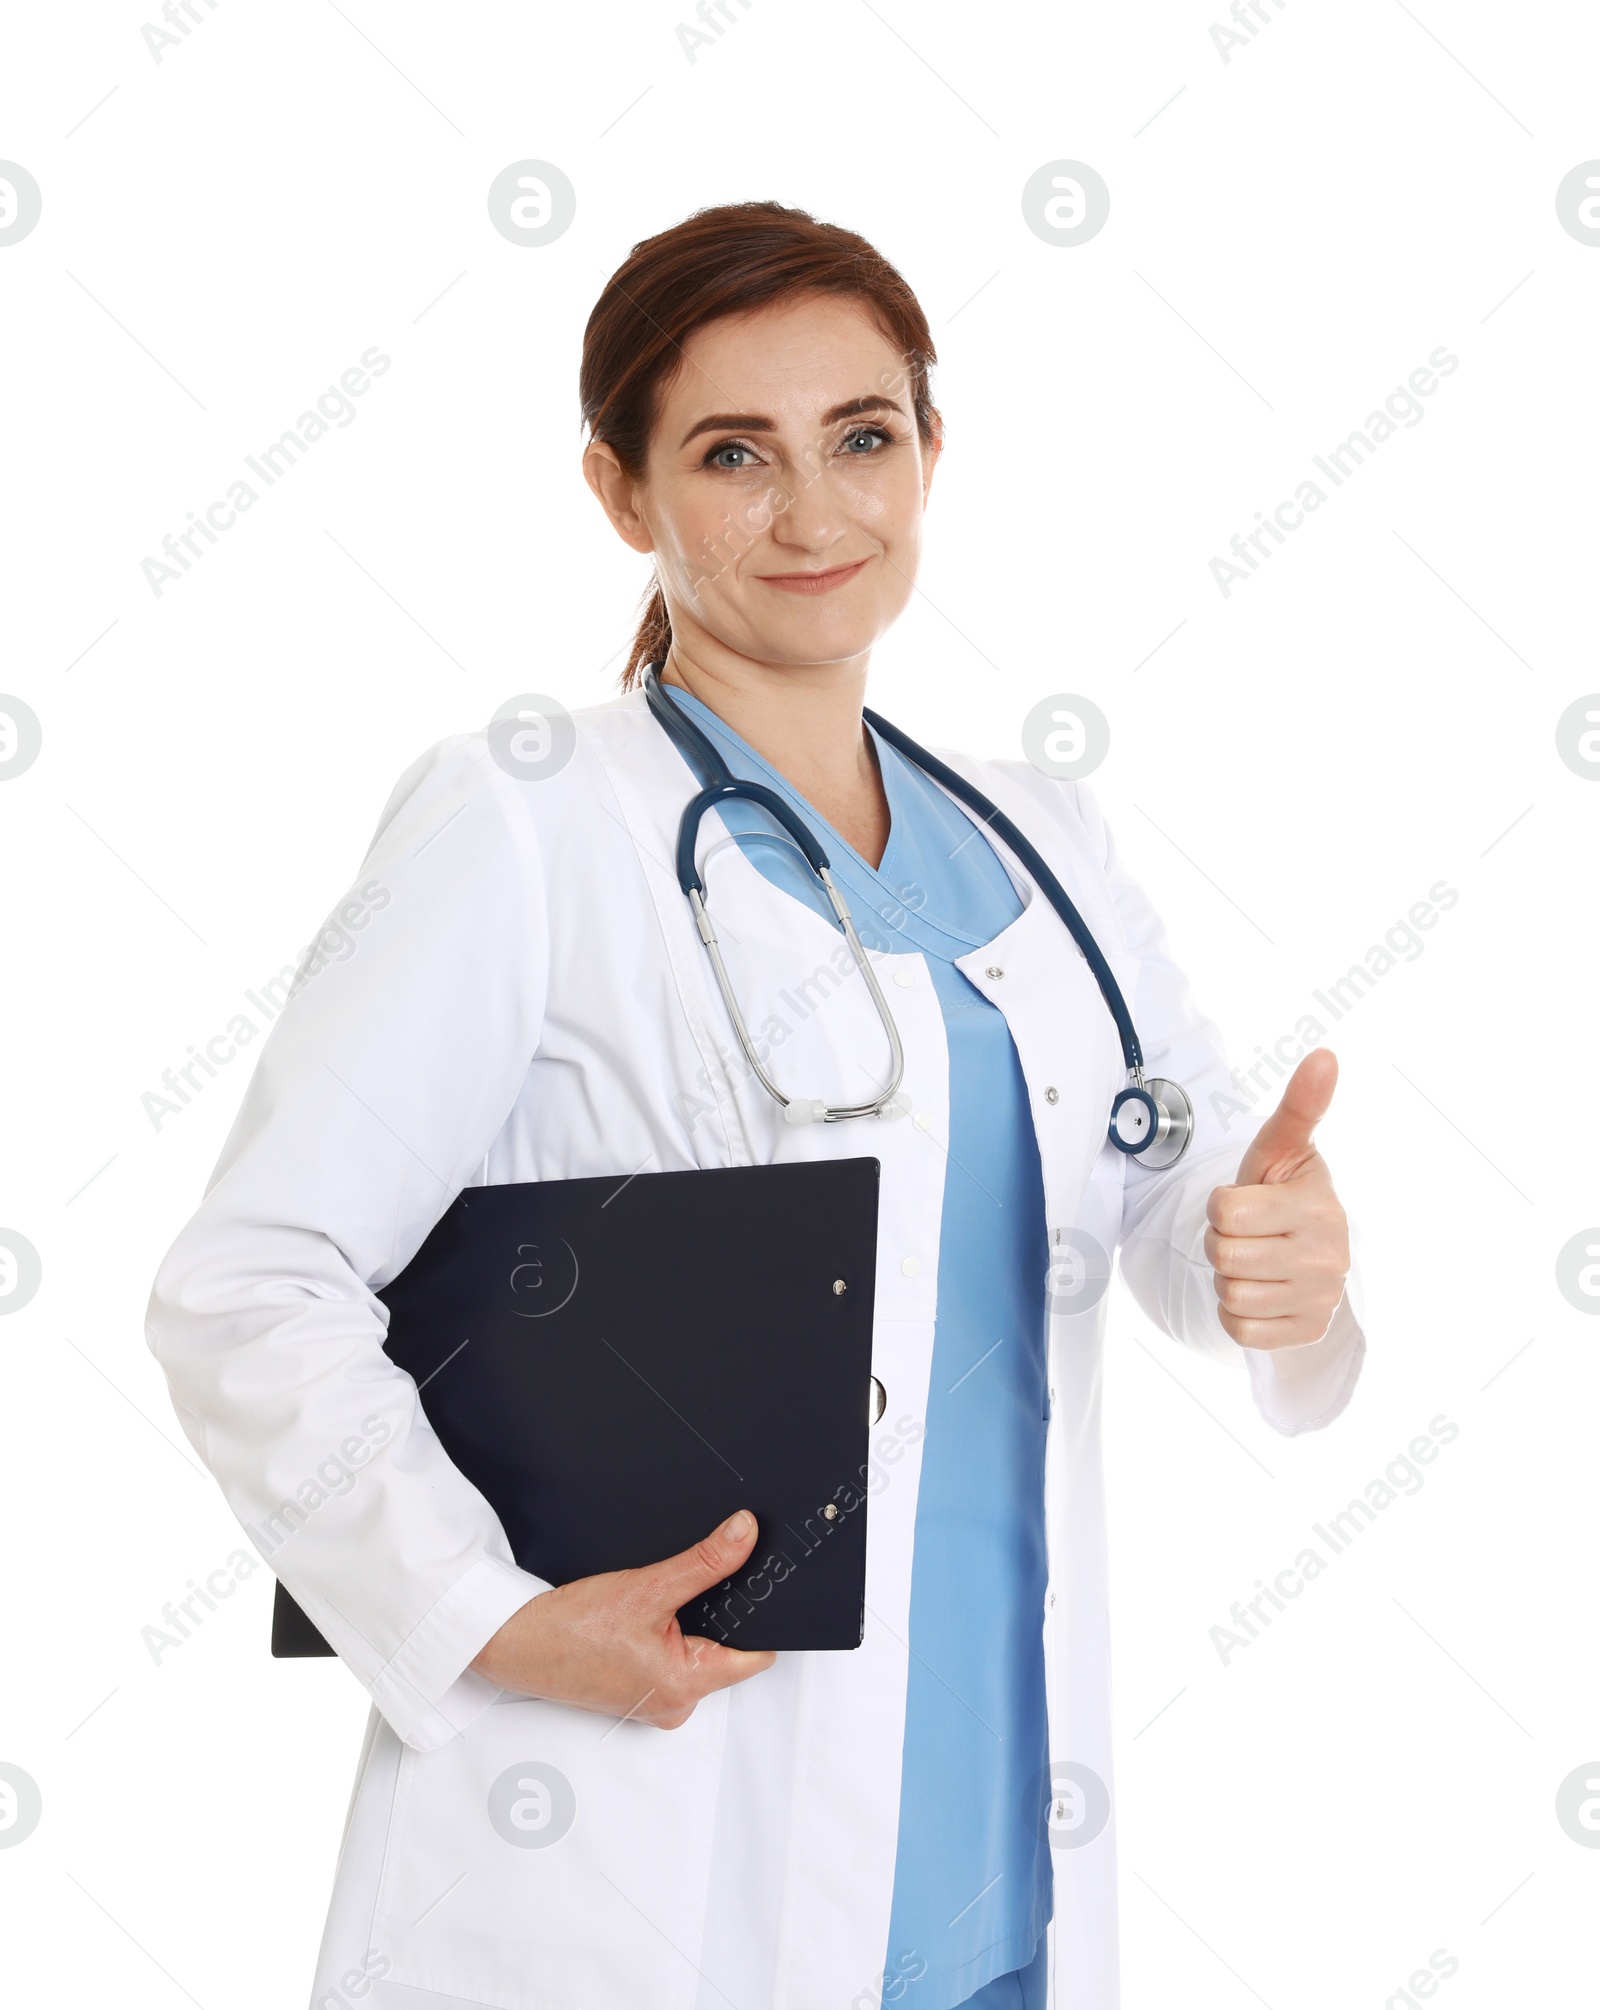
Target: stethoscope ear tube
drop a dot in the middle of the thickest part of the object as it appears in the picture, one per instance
(796, 1109)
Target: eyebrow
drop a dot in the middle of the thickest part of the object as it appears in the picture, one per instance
(749, 422)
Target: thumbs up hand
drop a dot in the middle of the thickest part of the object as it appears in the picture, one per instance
(1278, 1243)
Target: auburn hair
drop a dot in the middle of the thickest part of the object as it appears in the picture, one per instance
(725, 260)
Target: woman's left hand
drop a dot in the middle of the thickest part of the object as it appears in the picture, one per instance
(1278, 1243)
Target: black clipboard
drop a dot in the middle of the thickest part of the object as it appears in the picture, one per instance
(618, 1364)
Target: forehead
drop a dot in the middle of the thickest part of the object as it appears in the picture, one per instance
(791, 359)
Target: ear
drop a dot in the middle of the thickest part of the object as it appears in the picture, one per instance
(930, 459)
(618, 495)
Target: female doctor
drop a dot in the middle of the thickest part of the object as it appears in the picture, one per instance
(561, 1800)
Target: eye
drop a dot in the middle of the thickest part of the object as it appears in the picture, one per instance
(718, 456)
(863, 439)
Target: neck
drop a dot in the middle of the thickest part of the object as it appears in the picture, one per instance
(806, 720)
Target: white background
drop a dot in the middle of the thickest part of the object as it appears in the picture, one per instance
(1292, 232)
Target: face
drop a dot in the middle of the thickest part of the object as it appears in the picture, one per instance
(785, 485)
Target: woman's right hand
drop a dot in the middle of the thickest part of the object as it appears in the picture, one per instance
(612, 1643)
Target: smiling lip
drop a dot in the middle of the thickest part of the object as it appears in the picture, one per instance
(812, 582)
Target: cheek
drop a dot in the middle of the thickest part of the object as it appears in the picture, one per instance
(889, 501)
(694, 521)
(700, 538)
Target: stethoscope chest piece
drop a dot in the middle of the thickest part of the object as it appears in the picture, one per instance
(1153, 1122)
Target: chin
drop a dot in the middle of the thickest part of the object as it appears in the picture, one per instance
(812, 635)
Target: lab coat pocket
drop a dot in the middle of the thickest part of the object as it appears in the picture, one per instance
(548, 1858)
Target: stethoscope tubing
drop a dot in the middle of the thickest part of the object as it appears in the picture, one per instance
(1152, 1120)
(704, 759)
(995, 819)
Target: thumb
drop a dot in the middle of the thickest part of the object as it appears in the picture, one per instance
(1283, 1143)
(705, 1563)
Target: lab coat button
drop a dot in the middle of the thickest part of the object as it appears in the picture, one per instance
(905, 979)
(1052, 1095)
(911, 1266)
(994, 970)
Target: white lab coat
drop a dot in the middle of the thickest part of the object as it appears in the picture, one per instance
(531, 1001)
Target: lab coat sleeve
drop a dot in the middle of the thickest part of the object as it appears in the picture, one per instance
(1163, 1255)
(394, 1063)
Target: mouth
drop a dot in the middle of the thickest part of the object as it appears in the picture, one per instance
(812, 582)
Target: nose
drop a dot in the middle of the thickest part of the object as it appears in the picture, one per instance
(811, 517)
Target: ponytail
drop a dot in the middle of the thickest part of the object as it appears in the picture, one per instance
(653, 637)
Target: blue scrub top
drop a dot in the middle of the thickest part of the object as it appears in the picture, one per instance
(972, 1884)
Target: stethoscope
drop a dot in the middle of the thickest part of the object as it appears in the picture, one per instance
(1151, 1119)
